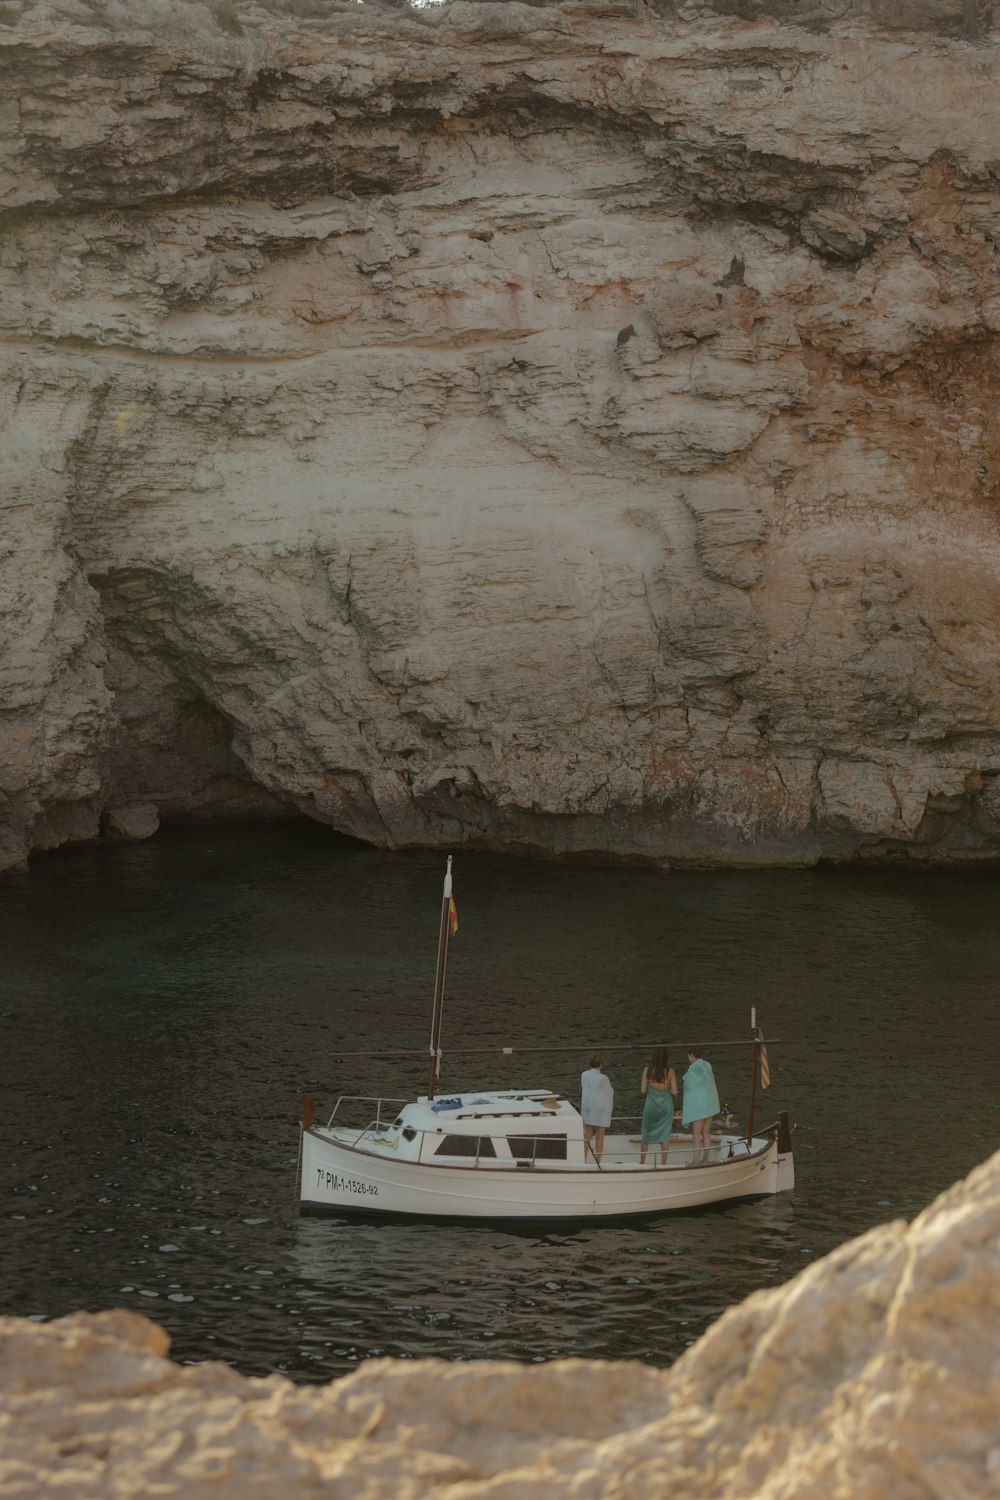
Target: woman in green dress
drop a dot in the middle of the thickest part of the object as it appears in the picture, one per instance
(659, 1084)
(701, 1101)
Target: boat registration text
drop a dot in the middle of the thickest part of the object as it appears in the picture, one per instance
(338, 1184)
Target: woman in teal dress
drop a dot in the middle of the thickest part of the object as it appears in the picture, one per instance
(701, 1100)
(659, 1084)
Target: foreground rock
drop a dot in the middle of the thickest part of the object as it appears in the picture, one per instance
(874, 1375)
(564, 428)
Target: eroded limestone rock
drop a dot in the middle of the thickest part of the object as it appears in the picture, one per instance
(134, 821)
(557, 428)
(873, 1375)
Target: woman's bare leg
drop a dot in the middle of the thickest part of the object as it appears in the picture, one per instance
(599, 1142)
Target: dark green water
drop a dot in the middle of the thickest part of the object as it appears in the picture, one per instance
(164, 1006)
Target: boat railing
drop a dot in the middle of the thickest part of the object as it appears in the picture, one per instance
(380, 1101)
(500, 1149)
(529, 1149)
(618, 1154)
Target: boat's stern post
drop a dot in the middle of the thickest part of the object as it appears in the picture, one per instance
(786, 1162)
(308, 1121)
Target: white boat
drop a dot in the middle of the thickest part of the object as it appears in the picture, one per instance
(519, 1154)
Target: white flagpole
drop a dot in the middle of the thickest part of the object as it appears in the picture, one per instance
(442, 960)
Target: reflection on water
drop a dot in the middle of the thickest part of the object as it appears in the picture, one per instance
(584, 1291)
(164, 1006)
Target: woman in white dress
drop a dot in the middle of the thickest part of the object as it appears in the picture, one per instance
(597, 1101)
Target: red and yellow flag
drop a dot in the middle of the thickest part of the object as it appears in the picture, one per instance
(452, 916)
(765, 1071)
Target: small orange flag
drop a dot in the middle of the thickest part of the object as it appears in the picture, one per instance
(765, 1071)
(452, 915)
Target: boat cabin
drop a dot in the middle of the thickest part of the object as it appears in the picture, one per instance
(462, 1130)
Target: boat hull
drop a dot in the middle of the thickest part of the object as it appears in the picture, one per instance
(339, 1179)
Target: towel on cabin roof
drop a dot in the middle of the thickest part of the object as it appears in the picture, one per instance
(446, 1104)
(657, 1116)
(597, 1098)
(701, 1097)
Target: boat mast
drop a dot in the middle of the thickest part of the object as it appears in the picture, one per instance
(442, 959)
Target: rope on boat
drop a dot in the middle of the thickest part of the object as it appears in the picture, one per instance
(503, 1051)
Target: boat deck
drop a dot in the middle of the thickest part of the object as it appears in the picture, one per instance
(622, 1153)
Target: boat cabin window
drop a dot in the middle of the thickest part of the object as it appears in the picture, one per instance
(538, 1148)
(466, 1145)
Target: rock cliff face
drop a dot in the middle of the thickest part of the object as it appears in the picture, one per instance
(871, 1376)
(563, 428)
